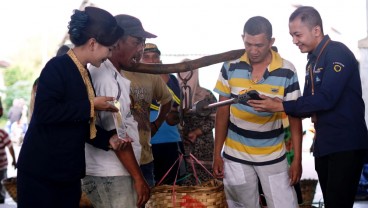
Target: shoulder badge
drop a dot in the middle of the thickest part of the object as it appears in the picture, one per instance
(337, 66)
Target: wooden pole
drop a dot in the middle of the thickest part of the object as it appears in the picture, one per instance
(188, 65)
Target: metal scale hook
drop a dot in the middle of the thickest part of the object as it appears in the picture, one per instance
(186, 95)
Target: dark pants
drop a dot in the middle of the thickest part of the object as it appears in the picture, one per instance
(338, 175)
(3, 175)
(147, 171)
(165, 154)
(35, 192)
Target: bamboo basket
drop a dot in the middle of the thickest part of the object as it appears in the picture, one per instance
(206, 195)
(209, 194)
(10, 185)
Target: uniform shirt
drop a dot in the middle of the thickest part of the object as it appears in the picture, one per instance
(337, 101)
(143, 89)
(253, 137)
(167, 133)
(107, 81)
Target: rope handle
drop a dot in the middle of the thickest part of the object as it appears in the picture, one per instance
(199, 163)
(180, 160)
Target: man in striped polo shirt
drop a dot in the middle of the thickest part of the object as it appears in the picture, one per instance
(249, 145)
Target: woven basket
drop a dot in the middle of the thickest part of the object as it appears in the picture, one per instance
(209, 194)
(10, 185)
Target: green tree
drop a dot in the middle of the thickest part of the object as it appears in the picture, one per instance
(18, 83)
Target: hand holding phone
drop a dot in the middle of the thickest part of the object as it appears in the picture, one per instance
(254, 95)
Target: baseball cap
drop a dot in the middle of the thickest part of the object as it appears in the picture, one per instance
(150, 47)
(132, 26)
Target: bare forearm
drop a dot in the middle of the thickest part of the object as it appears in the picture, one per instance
(296, 136)
(221, 124)
(127, 158)
(11, 151)
(163, 111)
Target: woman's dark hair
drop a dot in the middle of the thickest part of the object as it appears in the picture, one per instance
(93, 23)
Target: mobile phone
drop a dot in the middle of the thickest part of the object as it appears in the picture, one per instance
(253, 95)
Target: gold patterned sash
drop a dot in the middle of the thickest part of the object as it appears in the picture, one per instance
(91, 95)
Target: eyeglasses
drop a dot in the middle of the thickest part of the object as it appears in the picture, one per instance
(139, 41)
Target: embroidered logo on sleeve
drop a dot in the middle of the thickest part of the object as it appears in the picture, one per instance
(318, 70)
(337, 66)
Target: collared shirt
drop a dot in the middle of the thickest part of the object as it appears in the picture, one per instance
(256, 137)
(108, 82)
(337, 101)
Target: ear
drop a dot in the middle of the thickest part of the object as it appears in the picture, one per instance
(272, 41)
(317, 31)
(91, 43)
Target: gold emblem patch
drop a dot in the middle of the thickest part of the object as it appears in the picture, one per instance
(337, 68)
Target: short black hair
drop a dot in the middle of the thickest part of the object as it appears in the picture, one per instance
(308, 15)
(258, 25)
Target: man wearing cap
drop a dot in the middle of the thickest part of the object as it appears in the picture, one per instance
(111, 176)
(143, 88)
(166, 143)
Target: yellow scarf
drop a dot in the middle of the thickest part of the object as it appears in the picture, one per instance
(91, 94)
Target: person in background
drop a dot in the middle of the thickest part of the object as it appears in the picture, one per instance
(19, 121)
(249, 145)
(197, 130)
(63, 50)
(51, 161)
(14, 114)
(166, 143)
(332, 97)
(143, 89)
(5, 142)
(33, 97)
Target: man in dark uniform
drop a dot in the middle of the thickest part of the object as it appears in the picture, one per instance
(333, 99)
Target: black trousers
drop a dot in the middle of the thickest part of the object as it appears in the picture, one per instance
(338, 175)
(165, 154)
(36, 192)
